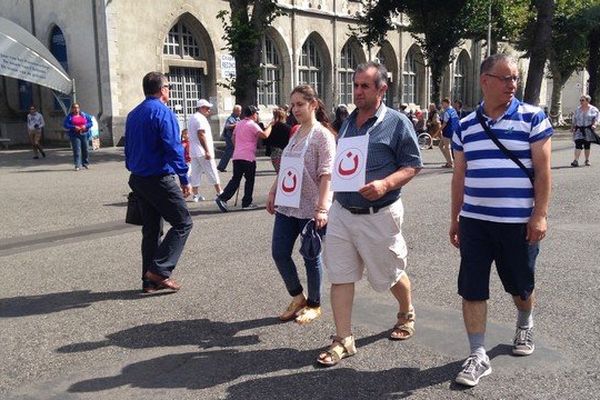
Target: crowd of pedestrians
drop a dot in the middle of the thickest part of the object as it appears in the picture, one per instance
(342, 180)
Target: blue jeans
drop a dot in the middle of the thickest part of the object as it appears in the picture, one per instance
(285, 232)
(227, 153)
(160, 198)
(80, 149)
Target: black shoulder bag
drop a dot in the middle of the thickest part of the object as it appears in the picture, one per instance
(134, 214)
(506, 151)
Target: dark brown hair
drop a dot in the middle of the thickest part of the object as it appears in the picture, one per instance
(153, 82)
(310, 94)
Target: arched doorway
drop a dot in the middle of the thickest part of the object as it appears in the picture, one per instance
(186, 57)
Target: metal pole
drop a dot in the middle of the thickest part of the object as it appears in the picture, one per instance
(74, 92)
(489, 32)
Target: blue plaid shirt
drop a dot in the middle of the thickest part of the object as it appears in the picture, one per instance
(392, 145)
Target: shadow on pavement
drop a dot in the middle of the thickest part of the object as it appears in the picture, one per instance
(345, 383)
(55, 157)
(205, 369)
(201, 370)
(199, 332)
(55, 302)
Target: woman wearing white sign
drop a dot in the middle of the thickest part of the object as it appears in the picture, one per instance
(301, 193)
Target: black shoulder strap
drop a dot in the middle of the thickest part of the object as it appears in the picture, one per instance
(506, 151)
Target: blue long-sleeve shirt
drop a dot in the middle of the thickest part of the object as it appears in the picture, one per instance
(152, 141)
(69, 126)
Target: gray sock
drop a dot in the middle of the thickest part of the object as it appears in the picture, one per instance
(525, 319)
(476, 343)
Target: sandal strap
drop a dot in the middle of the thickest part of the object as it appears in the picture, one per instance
(338, 344)
(409, 316)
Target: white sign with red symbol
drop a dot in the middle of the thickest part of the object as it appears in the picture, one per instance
(289, 182)
(349, 169)
(291, 171)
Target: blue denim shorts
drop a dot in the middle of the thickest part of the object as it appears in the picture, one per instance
(482, 242)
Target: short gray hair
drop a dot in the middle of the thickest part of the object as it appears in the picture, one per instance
(490, 62)
(587, 97)
(382, 74)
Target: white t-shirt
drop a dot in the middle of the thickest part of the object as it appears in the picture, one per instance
(196, 123)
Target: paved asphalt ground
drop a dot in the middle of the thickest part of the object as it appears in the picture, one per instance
(73, 324)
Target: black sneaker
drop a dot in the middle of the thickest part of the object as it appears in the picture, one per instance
(36, 158)
(575, 163)
(249, 207)
(523, 342)
(474, 368)
(221, 204)
(43, 154)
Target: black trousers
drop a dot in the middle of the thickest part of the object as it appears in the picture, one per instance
(244, 168)
(160, 197)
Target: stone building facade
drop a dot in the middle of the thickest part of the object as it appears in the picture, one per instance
(107, 46)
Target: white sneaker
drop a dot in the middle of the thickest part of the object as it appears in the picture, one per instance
(474, 368)
(523, 342)
(198, 198)
(251, 206)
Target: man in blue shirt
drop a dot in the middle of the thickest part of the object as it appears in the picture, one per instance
(365, 227)
(227, 135)
(154, 156)
(450, 123)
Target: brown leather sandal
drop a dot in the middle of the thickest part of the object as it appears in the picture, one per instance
(340, 348)
(407, 327)
(292, 310)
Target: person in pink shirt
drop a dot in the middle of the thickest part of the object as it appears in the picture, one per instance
(78, 124)
(245, 138)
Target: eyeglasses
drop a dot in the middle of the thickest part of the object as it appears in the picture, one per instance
(506, 79)
(582, 99)
(167, 86)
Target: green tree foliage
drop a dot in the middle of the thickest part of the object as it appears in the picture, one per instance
(591, 17)
(569, 50)
(438, 26)
(245, 25)
(537, 41)
(509, 19)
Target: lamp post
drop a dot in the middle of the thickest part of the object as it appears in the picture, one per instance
(489, 32)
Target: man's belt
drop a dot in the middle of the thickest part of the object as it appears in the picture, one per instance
(367, 210)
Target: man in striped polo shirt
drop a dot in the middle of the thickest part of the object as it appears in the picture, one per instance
(497, 213)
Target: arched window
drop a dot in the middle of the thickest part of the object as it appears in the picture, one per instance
(180, 42)
(58, 48)
(310, 67)
(460, 73)
(346, 69)
(188, 84)
(409, 75)
(269, 84)
(388, 97)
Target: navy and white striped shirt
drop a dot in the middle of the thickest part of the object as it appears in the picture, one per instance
(496, 189)
(392, 145)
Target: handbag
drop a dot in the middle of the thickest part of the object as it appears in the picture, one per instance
(497, 142)
(310, 239)
(134, 214)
